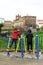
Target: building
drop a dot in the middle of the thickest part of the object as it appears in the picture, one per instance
(20, 21)
(7, 25)
(39, 23)
(25, 21)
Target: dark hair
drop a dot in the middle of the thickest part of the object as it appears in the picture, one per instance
(15, 28)
(29, 31)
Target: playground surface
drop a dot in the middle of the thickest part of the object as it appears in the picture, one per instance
(13, 60)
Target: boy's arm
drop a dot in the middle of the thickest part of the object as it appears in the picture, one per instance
(19, 33)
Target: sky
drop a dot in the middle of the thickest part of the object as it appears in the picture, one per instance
(10, 8)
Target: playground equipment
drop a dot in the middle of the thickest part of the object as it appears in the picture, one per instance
(18, 44)
(35, 51)
(8, 53)
(34, 45)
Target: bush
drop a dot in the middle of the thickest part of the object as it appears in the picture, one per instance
(42, 28)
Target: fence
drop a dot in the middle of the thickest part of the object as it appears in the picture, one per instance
(3, 44)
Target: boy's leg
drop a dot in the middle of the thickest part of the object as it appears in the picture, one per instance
(11, 43)
(27, 45)
(15, 43)
(31, 46)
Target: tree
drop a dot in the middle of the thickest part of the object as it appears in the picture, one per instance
(1, 25)
(42, 28)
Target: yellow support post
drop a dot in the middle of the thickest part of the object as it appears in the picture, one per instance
(18, 44)
(9, 41)
(25, 47)
(34, 46)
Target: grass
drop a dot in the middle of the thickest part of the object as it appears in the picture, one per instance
(40, 39)
(3, 44)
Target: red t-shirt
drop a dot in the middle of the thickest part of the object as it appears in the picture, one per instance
(15, 34)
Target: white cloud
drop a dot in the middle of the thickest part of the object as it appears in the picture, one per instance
(10, 8)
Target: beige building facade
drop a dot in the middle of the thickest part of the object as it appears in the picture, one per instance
(7, 25)
(22, 21)
(25, 21)
(39, 23)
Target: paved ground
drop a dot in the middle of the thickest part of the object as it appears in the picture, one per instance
(13, 60)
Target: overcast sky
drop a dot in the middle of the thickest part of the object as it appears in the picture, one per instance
(10, 8)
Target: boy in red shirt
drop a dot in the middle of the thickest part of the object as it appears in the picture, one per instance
(15, 36)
